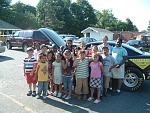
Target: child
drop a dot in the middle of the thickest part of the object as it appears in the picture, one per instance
(95, 51)
(42, 75)
(36, 50)
(29, 71)
(108, 62)
(57, 74)
(69, 45)
(96, 77)
(82, 73)
(67, 72)
(51, 59)
(44, 48)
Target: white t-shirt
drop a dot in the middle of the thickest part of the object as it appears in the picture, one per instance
(57, 72)
(100, 47)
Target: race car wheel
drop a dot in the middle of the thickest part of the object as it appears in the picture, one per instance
(133, 79)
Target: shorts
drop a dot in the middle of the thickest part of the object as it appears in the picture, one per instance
(30, 79)
(106, 81)
(107, 73)
(82, 86)
(118, 73)
(96, 82)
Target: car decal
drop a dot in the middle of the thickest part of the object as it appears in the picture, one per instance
(142, 63)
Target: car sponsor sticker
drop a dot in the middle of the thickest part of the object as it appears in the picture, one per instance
(142, 63)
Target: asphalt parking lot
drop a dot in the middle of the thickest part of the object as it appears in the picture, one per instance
(13, 97)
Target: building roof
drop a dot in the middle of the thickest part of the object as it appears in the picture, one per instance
(7, 26)
(126, 35)
(96, 30)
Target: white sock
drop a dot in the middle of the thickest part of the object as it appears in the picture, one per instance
(118, 90)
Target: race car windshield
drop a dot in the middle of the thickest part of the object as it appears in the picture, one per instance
(133, 48)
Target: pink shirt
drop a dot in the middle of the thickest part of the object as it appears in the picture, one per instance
(95, 69)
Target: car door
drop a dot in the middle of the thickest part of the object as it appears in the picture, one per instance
(19, 39)
(13, 39)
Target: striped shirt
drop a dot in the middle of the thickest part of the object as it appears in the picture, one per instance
(82, 70)
(29, 63)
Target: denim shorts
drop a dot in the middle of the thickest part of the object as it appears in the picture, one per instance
(67, 81)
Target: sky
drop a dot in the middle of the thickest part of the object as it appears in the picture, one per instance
(137, 10)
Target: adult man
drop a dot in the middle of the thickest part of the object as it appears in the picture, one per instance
(105, 44)
(120, 54)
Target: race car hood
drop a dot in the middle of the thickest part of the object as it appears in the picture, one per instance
(52, 36)
(147, 53)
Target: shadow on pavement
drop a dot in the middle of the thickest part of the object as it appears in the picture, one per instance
(5, 58)
(72, 107)
(17, 49)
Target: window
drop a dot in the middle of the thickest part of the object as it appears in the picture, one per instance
(21, 34)
(87, 34)
(38, 35)
(16, 34)
(28, 34)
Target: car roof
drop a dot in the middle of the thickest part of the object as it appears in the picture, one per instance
(132, 51)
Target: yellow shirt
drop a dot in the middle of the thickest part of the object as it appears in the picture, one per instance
(42, 71)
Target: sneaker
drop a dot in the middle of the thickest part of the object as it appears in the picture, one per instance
(64, 96)
(59, 95)
(38, 96)
(29, 93)
(90, 98)
(44, 97)
(114, 93)
(68, 97)
(34, 94)
(97, 101)
(55, 94)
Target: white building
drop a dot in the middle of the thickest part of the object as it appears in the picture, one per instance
(97, 33)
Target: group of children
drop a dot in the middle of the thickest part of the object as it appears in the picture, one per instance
(66, 69)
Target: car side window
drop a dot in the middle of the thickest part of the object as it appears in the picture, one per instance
(28, 34)
(16, 34)
(21, 34)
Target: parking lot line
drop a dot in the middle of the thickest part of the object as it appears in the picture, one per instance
(18, 103)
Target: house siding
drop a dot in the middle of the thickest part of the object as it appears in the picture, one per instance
(98, 35)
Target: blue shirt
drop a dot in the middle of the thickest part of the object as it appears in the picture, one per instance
(118, 53)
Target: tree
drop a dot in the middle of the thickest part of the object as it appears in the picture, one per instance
(22, 8)
(106, 20)
(22, 16)
(4, 7)
(83, 16)
(4, 3)
(50, 13)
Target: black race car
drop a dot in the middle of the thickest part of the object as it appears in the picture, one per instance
(137, 66)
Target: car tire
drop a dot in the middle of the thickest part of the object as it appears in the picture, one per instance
(8, 44)
(133, 80)
(24, 47)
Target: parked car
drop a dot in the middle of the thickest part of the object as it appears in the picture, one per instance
(85, 40)
(26, 38)
(146, 39)
(68, 37)
(139, 44)
(2, 48)
(137, 66)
